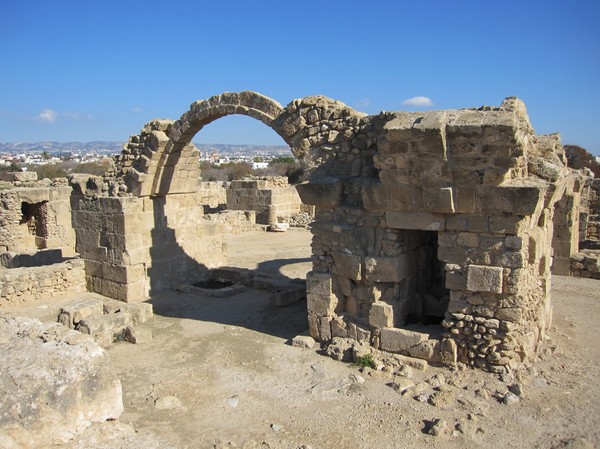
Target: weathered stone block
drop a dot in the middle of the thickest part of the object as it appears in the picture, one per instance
(509, 314)
(325, 192)
(388, 269)
(438, 200)
(375, 196)
(72, 314)
(347, 265)
(397, 340)
(512, 200)
(318, 283)
(415, 220)
(321, 305)
(448, 351)
(484, 279)
(381, 315)
(55, 383)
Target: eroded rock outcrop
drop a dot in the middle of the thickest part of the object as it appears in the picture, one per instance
(54, 383)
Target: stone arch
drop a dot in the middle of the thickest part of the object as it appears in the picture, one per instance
(162, 159)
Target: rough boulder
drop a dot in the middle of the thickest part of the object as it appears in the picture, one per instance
(54, 383)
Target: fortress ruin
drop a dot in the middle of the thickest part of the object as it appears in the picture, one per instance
(434, 233)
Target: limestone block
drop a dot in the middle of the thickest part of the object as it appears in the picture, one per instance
(124, 274)
(438, 200)
(509, 314)
(375, 196)
(468, 222)
(325, 328)
(54, 384)
(140, 313)
(482, 278)
(71, 315)
(33, 195)
(338, 328)
(509, 199)
(415, 220)
(468, 239)
(455, 279)
(397, 340)
(321, 305)
(388, 269)
(303, 341)
(448, 352)
(347, 265)
(426, 350)
(318, 283)
(324, 192)
(313, 326)
(105, 329)
(381, 315)
(508, 224)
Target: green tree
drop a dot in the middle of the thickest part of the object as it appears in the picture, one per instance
(283, 160)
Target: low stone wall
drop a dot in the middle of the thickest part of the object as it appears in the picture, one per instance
(586, 264)
(271, 197)
(213, 195)
(27, 284)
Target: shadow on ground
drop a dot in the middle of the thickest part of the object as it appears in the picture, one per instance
(251, 308)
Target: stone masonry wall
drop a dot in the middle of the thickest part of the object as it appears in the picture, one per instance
(477, 178)
(32, 283)
(593, 228)
(271, 197)
(132, 246)
(33, 218)
(213, 195)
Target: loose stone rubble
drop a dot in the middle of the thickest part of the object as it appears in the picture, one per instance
(434, 233)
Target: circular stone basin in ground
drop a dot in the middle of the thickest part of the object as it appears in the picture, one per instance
(213, 284)
(215, 287)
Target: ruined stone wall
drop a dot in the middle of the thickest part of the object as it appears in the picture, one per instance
(448, 217)
(271, 197)
(132, 246)
(477, 179)
(33, 218)
(213, 195)
(593, 226)
(33, 283)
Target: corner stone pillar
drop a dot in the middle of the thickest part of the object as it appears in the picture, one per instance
(321, 304)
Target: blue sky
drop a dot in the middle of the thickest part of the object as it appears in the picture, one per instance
(83, 70)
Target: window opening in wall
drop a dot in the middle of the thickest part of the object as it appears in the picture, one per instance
(429, 302)
(34, 216)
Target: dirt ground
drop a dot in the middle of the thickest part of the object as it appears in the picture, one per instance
(220, 373)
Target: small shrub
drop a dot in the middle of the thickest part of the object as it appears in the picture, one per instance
(366, 361)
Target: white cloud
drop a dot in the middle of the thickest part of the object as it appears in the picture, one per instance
(137, 109)
(47, 115)
(418, 102)
(363, 103)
